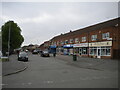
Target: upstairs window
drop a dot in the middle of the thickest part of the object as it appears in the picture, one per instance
(106, 35)
(54, 43)
(71, 40)
(94, 37)
(57, 42)
(62, 42)
(83, 39)
(76, 40)
(66, 41)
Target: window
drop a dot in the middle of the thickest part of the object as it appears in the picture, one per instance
(84, 50)
(93, 51)
(105, 51)
(83, 39)
(54, 43)
(62, 42)
(66, 41)
(94, 37)
(105, 35)
(57, 42)
(76, 40)
(71, 40)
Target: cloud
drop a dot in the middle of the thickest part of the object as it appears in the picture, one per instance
(42, 21)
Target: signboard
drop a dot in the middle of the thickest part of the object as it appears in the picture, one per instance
(81, 45)
(68, 46)
(97, 44)
(52, 46)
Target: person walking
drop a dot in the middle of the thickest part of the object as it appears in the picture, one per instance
(54, 54)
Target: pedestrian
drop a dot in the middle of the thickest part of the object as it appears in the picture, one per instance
(54, 54)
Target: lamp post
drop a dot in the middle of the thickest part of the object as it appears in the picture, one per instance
(9, 40)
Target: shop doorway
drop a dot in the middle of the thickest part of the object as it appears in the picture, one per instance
(80, 51)
(98, 52)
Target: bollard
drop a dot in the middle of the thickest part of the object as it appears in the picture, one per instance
(74, 57)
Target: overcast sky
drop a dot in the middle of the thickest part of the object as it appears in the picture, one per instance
(40, 21)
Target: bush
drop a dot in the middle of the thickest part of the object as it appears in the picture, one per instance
(4, 59)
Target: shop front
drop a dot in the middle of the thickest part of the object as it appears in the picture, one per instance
(100, 49)
(81, 49)
(52, 49)
(59, 50)
(68, 49)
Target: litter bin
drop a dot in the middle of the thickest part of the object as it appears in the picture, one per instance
(74, 57)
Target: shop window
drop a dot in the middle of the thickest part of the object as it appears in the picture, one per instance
(83, 39)
(105, 51)
(93, 51)
(105, 35)
(84, 50)
(76, 50)
(62, 50)
(94, 37)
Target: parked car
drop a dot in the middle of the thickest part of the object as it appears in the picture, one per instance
(23, 56)
(0, 54)
(35, 52)
(45, 54)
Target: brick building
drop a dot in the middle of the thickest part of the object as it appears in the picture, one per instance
(98, 41)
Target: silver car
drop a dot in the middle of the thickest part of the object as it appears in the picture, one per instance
(23, 56)
(0, 54)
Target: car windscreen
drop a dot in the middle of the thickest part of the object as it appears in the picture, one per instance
(45, 51)
(23, 54)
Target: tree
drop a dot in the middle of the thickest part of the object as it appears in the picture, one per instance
(16, 39)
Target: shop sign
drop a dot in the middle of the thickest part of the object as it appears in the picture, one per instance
(53, 46)
(68, 46)
(81, 45)
(95, 44)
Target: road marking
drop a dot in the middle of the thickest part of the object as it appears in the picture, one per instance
(3, 84)
(48, 82)
(29, 83)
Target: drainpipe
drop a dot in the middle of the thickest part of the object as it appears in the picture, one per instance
(88, 44)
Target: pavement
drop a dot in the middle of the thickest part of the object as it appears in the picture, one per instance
(12, 66)
(90, 63)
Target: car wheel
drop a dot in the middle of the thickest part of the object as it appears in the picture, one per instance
(18, 59)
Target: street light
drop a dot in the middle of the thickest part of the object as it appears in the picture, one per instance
(9, 40)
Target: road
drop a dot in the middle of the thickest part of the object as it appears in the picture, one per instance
(50, 72)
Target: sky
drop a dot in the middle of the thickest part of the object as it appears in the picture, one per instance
(41, 21)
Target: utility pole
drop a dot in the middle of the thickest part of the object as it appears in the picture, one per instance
(9, 40)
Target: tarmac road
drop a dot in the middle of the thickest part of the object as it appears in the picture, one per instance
(50, 72)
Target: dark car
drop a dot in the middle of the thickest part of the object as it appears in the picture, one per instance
(35, 52)
(45, 54)
(23, 56)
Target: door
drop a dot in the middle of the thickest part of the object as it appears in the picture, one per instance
(99, 52)
(80, 51)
